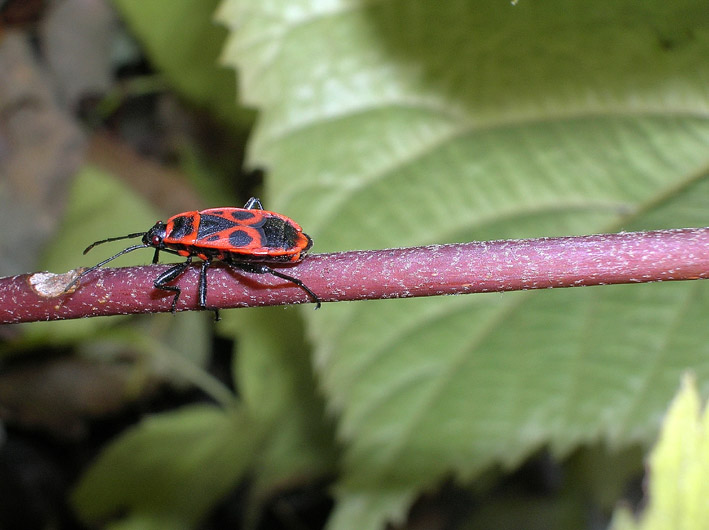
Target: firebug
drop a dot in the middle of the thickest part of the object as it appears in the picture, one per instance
(248, 238)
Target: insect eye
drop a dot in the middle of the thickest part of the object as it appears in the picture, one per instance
(156, 240)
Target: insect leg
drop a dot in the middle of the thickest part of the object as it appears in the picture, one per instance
(203, 288)
(265, 269)
(168, 276)
(253, 204)
(156, 256)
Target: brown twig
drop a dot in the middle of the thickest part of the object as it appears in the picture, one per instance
(506, 265)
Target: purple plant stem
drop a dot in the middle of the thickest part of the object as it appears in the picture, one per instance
(486, 266)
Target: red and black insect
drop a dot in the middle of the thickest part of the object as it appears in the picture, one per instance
(247, 238)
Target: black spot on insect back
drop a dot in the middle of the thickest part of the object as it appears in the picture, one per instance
(239, 238)
(279, 234)
(242, 215)
(212, 224)
(182, 226)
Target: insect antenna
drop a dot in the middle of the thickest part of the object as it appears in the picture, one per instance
(129, 236)
(124, 251)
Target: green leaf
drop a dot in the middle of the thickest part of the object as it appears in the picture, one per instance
(99, 206)
(175, 465)
(365, 510)
(401, 123)
(678, 465)
(184, 43)
(274, 377)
